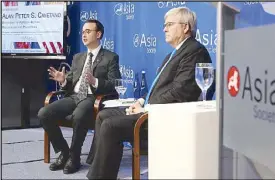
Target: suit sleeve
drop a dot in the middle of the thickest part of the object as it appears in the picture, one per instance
(69, 76)
(184, 86)
(106, 86)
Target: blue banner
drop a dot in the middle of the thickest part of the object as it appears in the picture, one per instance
(134, 30)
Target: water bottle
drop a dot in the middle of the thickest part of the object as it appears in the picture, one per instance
(136, 87)
(143, 85)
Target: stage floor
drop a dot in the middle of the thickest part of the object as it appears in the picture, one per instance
(22, 157)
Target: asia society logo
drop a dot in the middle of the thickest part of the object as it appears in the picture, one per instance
(250, 3)
(107, 43)
(165, 4)
(70, 2)
(127, 9)
(257, 88)
(127, 73)
(208, 39)
(136, 40)
(85, 15)
(233, 81)
(145, 41)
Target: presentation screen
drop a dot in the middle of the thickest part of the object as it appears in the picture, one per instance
(33, 28)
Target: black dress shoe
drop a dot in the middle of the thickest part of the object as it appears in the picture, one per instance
(60, 162)
(72, 165)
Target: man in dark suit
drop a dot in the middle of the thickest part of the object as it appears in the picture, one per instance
(174, 83)
(92, 73)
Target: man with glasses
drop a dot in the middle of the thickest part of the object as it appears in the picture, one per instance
(174, 83)
(93, 72)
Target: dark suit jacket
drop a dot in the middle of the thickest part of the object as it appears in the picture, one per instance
(105, 68)
(177, 81)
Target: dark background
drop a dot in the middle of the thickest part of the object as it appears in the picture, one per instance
(25, 85)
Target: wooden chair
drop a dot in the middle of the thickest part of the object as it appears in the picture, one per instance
(137, 151)
(67, 122)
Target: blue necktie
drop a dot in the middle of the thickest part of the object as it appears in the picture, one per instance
(156, 79)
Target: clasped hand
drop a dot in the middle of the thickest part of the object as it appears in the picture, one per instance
(135, 108)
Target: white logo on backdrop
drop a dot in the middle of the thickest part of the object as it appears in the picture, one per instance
(145, 41)
(169, 4)
(136, 40)
(84, 15)
(118, 9)
(70, 2)
(248, 3)
(126, 8)
(127, 73)
(108, 43)
(208, 39)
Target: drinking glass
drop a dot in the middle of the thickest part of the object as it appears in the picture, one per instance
(204, 74)
(120, 88)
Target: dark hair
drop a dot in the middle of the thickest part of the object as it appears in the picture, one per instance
(99, 26)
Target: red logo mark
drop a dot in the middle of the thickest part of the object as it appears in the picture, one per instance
(233, 81)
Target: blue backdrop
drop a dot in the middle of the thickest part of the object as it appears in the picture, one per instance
(134, 30)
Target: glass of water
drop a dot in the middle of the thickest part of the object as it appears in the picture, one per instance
(204, 74)
(120, 88)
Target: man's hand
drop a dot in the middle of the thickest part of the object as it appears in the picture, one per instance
(135, 108)
(91, 79)
(58, 76)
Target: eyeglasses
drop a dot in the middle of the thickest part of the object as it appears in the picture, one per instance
(169, 24)
(87, 31)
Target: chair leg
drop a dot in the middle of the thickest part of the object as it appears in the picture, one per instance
(136, 164)
(47, 153)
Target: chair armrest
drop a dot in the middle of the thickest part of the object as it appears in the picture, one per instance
(138, 124)
(101, 98)
(51, 94)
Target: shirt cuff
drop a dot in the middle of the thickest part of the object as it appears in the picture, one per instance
(146, 108)
(143, 110)
(63, 84)
(96, 83)
(141, 101)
